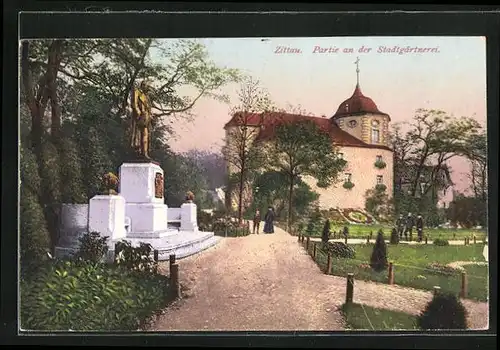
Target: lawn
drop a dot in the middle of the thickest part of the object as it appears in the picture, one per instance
(411, 267)
(362, 317)
(361, 231)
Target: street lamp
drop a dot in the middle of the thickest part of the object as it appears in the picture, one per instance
(423, 186)
(257, 197)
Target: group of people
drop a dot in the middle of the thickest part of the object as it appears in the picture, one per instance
(405, 226)
(268, 221)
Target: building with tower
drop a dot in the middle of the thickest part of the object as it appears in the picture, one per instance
(358, 129)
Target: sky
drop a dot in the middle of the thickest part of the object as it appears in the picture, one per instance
(318, 76)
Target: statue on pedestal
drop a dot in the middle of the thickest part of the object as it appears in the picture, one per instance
(141, 119)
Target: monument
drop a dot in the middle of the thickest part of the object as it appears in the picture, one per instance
(136, 210)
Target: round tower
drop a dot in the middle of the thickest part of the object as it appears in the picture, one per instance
(360, 117)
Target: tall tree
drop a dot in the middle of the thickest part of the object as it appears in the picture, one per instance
(477, 156)
(57, 75)
(239, 150)
(303, 149)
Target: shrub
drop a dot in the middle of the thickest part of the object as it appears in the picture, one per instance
(441, 268)
(93, 247)
(441, 242)
(380, 187)
(444, 311)
(345, 231)
(394, 236)
(378, 260)
(314, 224)
(348, 185)
(380, 164)
(326, 232)
(135, 258)
(340, 250)
(86, 296)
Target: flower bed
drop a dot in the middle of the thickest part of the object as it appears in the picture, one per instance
(357, 216)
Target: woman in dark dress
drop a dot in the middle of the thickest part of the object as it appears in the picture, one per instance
(268, 221)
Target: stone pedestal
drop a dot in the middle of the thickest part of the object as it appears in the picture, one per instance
(141, 183)
(107, 216)
(147, 219)
(189, 221)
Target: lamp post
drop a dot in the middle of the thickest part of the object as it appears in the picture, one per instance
(257, 202)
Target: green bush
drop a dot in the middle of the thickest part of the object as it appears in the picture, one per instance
(380, 164)
(444, 311)
(380, 187)
(314, 224)
(348, 185)
(441, 242)
(394, 236)
(93, 247)
(139, 258)
(340, 250)
(326, 232)
(378, 260)
(86, 296)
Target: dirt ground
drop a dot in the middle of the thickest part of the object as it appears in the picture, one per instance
(267, 282)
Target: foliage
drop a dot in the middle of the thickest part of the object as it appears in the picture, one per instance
(314, 223)
(467, 211)
(190, 196)
(212, 164)
(326, 232)
(335, 216)
(302, 149)
(394, 236)
(378, 260)
(86, 296)
(380, 164)
(273, 191)
(420, 159)
(440, 242)
(93, 247)
(81, 89)
(411, 264)
(445, 311)
(378, 203)
(34, 235)
(340, 250)
(441, 268)
(348, 185)
(110, 183)
(139, 258)
(239, 151)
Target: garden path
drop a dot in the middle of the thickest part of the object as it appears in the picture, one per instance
(268, 282)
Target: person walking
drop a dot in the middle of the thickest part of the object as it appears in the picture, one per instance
(268, 221)
(409, 226)
(420, 227)
(256, 221)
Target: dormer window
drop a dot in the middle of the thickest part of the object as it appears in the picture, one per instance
(352, 123)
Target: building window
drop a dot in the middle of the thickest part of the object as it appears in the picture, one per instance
(375, 135)
(348, 177)
(378, 159)
(380, 179)
(375, 131)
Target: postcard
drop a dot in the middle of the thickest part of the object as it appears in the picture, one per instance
(253, 184)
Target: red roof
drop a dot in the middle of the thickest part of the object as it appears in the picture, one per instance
(357, 104)
(269, 121)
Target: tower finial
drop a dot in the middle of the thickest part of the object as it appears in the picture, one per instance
(357, 71)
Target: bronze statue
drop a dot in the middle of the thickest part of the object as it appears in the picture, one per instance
(141, 119)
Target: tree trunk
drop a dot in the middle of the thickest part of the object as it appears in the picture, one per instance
(290, 206)
(240, 198)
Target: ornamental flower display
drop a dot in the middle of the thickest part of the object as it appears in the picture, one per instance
(189, 196)
(110, 182)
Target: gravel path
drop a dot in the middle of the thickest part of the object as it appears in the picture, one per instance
(268, 282)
